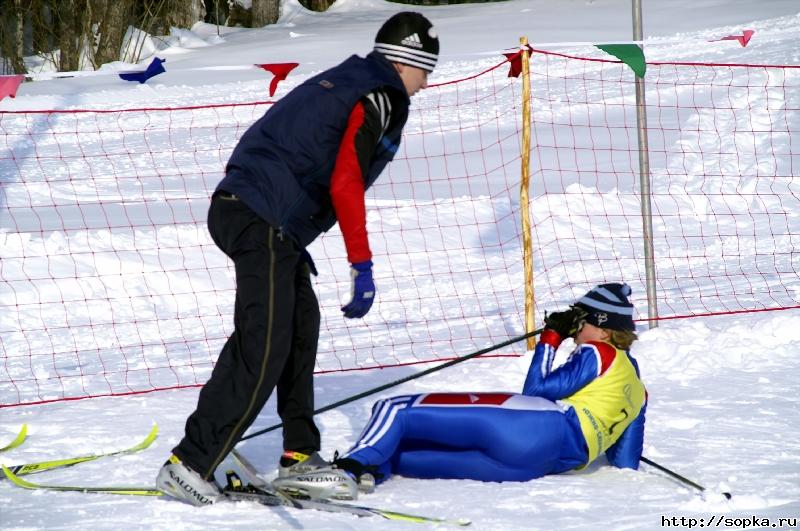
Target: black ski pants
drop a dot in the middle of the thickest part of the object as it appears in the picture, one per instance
(274, 342)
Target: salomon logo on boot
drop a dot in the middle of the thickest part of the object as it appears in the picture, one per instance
(329, 483)
(179, 481)
(190, 491)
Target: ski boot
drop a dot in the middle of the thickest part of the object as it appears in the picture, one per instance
(322, 483)
(293, 463)
(364, 475)
(179, 481)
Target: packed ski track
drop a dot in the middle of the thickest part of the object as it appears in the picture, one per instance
(723, 392)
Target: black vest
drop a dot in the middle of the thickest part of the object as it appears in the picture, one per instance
(283, 163)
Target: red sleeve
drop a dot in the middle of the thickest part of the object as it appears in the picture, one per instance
(347, 191)
(551, 337)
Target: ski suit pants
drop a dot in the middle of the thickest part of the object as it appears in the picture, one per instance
(274, 342)
(481, 436)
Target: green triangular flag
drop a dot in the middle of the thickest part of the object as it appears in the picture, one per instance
(630, 54)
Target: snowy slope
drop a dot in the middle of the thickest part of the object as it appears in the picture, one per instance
(723, 391)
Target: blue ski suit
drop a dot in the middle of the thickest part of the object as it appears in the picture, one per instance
(563, 419)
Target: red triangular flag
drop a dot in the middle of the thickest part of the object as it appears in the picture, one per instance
(9, 85)
(279, 72)
(515, 59)
(743, 39)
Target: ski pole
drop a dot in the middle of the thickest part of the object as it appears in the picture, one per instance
(406, 379)
(678, 476)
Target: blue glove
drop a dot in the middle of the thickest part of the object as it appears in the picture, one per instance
(363, 290)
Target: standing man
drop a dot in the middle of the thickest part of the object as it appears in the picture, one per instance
(297, 171)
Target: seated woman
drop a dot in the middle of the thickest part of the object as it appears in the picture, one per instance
(564, 418)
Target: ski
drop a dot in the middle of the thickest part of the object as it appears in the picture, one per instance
(130, 491)
(18, 440)
(238, 492)
(273, 498)
(259, 490)
(30, 468)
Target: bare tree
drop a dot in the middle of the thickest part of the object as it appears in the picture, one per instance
(164, 14)
(67, 31)
(19, 30)
(12, 36)
(239, 16)
(319, 5)
(265, 12)
(73, 24)
(217, 12)
(113, 18)
(41, 19)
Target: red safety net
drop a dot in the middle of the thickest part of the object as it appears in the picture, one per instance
(110, 284)
(724, 152)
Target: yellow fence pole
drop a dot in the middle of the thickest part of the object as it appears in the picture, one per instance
(527, 242)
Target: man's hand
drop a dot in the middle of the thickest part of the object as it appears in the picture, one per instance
(305, 256)
(566, 323)
(363, 290)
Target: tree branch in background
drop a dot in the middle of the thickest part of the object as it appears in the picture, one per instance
(12, 37)
(265, 12)
(70, 33)
(113, 18)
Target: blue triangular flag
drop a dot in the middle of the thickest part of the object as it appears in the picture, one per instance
(153, 69)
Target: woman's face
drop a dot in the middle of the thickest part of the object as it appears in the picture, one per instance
(590, 332)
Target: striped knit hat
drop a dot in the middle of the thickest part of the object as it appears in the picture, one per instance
(607, 306)
(409, 38)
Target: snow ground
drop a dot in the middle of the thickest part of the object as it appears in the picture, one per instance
(723, 394)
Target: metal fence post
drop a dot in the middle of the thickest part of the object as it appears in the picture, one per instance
(644, 178)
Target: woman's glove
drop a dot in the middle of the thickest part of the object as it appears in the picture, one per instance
(566, 323)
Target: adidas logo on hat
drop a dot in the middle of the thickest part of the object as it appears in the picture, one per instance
(409, 38)
(412, 40)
